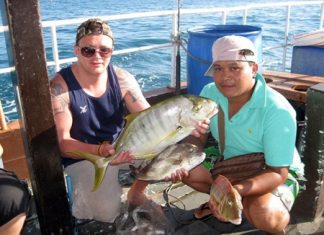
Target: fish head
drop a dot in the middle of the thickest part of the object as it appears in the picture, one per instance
(202, 107)
(227, 199)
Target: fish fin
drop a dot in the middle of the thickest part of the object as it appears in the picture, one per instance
(100, 173)
(99, 163)
(149, 157)
(87, 156)
(172, 134)
(130, 117)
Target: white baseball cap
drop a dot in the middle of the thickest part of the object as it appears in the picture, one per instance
(232, 47)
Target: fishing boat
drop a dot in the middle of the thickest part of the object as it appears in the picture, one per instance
(30, 145)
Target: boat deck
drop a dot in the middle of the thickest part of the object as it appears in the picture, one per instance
(178, 204)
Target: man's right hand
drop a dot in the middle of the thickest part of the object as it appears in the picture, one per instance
(108, 150)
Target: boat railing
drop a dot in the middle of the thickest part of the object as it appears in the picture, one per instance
(173, 43)
(57, 62)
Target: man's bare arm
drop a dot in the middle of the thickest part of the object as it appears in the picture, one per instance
(59, 98)
(132, 94)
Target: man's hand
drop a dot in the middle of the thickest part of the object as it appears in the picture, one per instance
(123, 157)
(201, 128)
(179, 175)
(106, 150)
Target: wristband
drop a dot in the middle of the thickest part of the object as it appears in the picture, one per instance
(99, 149)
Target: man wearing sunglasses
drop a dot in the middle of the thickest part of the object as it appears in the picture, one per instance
(88, 100)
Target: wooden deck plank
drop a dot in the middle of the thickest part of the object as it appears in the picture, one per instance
(293, 86)
(293, 76)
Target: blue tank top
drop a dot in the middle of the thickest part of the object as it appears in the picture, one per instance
(94, 119)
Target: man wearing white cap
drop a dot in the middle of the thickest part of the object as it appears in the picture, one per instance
(256, 119)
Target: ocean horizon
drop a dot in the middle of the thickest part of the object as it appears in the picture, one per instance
(152, 69)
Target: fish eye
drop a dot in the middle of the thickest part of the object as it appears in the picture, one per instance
(197, 108)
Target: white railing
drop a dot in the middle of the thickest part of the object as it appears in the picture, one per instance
(173, 43)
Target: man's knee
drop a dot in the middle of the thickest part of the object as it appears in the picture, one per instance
(268, 215)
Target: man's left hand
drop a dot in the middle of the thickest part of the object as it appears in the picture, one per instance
(178, 176)
(201, 128)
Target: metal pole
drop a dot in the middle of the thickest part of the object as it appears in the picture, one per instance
(38, 127)
(178, 58)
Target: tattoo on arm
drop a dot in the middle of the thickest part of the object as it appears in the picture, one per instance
(59, 98)
(129, 86)
(134, 95)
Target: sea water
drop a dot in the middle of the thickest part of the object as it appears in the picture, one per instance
(152, 69)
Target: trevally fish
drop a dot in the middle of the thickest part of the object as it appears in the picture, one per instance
(227, 199)
(149, 132)
(174, 157)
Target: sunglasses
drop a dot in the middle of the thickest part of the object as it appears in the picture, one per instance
(90, 51)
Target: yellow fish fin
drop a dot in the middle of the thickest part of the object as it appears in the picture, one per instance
(100, 164)
(150, 156)
(130, 117)
(172, 134)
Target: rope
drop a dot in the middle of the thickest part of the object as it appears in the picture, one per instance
(171, 205)
(203, 61)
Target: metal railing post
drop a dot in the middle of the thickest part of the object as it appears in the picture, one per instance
(55, 48)
(224, 16)
(322, 16)
(174, 50)
(286, 38)
(245, 14)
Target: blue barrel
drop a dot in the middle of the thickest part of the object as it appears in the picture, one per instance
(306, 60)
(199, 57)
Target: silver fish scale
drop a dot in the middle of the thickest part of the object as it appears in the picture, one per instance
(157, 125)
(174, 157)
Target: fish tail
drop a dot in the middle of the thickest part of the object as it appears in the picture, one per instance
(100, 173)
(99, 163)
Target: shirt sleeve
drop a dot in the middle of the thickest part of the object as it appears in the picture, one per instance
(279, 137)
